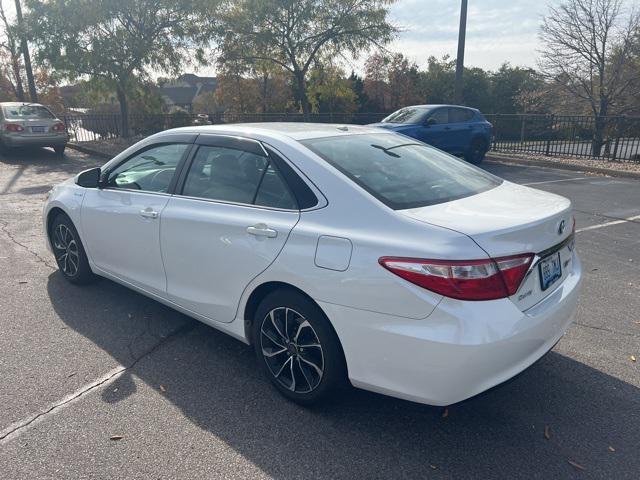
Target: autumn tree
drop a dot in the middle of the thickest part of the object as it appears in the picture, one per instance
(330, 91)
(118, 41)
(586, 46)
(296, 33)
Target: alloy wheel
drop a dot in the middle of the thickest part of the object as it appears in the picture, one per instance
(66, 248)
(292, 350)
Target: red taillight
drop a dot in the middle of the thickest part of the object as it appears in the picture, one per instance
(486, 279)
(13, 127)
(58, 127)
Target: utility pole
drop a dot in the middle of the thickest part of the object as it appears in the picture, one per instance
(460, 58)
(25, 53)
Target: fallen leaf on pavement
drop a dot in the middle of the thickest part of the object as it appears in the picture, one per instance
(162, 389)
(433, 467)
(116, 437)
(576, 465)
(633, 358)
(71, 374)
(445, 414)
(611, 449)
(547, 432)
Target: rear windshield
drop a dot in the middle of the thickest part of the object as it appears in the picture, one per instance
(408, 115)
(25, 112)
(401, 172)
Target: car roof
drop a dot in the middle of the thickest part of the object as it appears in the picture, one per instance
(19, 104)
(438, 106)
(293, 130)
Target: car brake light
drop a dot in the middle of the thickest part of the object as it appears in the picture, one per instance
(13, 127)
(486, 279)
(58, 127)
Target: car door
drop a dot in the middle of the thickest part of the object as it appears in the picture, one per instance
(434, 130)
(226, 224)
(459, 129)
(121, 221)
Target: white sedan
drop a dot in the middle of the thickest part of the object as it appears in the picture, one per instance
(341, 253)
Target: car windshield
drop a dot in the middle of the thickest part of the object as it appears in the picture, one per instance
(401, 172)
(26, 112)
(408, 115)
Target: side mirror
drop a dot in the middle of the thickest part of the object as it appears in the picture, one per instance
(430, 121)
(89, 178)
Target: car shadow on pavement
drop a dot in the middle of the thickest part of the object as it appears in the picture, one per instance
(45, 160)
(213, 380)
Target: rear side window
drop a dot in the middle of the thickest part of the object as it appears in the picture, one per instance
(460, 115)
(238, 176)
(26, 112)
(401, 173)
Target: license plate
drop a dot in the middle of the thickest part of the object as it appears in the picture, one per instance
(550, 270)
(37, 129)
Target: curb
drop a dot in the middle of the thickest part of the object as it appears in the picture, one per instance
(563, 166)
(90, 151)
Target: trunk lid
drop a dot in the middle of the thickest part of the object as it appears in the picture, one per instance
(509, 220)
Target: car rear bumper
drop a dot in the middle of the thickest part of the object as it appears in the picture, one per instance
(460, 350)
(56, 140)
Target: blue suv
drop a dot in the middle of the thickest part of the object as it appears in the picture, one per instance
(458, 130)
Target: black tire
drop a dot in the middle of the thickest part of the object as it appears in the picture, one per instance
(477, 151)
(59, 149)
(69, 251)
(310, 387)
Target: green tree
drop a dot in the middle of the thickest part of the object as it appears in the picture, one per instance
(330, 91)
(118, 41)
(295, 33)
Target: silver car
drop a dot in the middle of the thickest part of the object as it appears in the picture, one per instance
(31, 125)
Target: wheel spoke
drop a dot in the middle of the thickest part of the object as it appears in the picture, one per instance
(312, 365)
(292, 387)
(304, 374)
(74, 264)
(288, 360)
(273, 353)
(300, 327)
(275, 325)
(269, 335)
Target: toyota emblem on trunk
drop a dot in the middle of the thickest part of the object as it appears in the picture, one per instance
(561, 227)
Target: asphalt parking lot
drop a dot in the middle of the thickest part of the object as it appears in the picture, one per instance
(80, 365)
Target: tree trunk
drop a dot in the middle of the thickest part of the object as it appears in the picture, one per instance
(124, 109)
(15, 66)
(25, 52)
(599, 129)
(301, 94)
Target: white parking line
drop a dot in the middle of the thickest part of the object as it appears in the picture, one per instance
(608, 224)
(556, 181)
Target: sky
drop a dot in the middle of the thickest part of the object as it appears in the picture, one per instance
(498, 31)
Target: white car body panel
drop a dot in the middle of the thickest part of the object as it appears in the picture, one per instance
(218, 251)
(398, 338)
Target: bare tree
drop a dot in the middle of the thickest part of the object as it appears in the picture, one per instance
(587, 44)
(10, 44)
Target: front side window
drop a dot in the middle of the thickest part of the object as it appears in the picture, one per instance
(402, 173)
(26, 112)
(238, 176)
(439, 117)
(151, 170)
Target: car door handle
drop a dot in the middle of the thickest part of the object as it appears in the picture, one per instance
(148, 213)
(262, 230)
